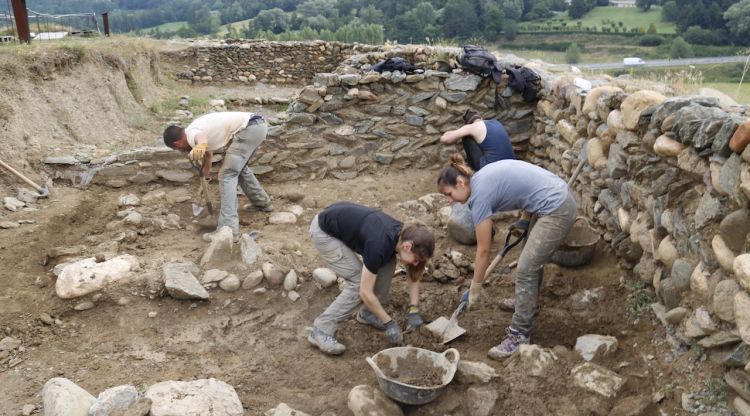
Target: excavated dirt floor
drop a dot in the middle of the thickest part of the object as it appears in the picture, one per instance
(257, 343)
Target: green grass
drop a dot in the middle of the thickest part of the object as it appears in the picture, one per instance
(168, 27)
(631, 17)
(239, 25)
(741, 95)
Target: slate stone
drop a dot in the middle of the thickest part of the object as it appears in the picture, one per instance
(709, 209)
(453, 96)
(681, 271)
(462, 82)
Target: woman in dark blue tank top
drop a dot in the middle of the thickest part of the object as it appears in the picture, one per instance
(484, 141)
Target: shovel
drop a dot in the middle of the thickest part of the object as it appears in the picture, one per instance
(208, 221)
(42, 191)
(448, 329)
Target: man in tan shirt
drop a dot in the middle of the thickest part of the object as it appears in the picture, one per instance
(244, 132)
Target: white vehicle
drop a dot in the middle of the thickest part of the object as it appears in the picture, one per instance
(633, 62)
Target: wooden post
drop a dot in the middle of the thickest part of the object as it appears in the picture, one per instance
(105, 19)
(22, 20)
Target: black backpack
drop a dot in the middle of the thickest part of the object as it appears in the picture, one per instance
(479, 61)
(396, 64)
(525, 81)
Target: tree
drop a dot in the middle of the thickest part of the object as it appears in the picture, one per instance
(573, 54)
(274, 20)
(513, 9)
(459, 18)
(577, 9)
(493, 18)
(737, 17)
(651, 28)
(669, 11)
(370, 14)
(511, 29)
(645, 4)
(680, 49)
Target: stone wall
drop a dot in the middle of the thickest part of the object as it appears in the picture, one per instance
(668, 194)
(271, 62)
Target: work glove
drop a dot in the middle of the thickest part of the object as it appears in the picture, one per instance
(414, 319)
(198, 152)
(393, 332)
(471, 295)
(519, 228)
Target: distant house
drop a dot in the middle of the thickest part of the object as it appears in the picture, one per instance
(622, 3)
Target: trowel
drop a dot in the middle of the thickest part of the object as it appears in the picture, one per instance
(448, 329)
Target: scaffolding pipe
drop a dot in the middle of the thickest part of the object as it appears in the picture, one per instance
(22, 20)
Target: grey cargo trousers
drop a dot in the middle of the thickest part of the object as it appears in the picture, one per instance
(545, 236)
(347, 265)
(234, 170)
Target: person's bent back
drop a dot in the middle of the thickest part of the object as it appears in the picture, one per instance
(484, 141)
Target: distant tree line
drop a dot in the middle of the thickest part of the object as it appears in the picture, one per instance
(714, 22)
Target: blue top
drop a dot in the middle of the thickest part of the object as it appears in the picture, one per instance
(514, 184)
(496, 144)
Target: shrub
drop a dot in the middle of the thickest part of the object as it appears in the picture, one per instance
(573, 54)
(650, 40)
(680, 49)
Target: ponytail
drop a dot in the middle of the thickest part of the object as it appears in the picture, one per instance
(456, 167)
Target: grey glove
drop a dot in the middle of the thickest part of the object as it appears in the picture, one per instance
(393, 332)
(414, 319)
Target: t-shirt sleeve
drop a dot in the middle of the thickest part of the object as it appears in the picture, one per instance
(480, 211)
(191, 133)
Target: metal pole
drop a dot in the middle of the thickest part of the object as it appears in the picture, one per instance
(22, 20)
(105, 19)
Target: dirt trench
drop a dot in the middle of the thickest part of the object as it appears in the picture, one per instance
(257, 342)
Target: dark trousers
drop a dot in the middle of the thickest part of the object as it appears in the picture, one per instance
(474, 154)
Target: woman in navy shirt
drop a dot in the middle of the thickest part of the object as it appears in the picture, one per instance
(485, 141)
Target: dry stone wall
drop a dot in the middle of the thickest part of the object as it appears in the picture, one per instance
(271, 62)
(670, 196)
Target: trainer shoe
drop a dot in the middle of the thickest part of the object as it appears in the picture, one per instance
(366, 317)
(254, 208)
(325, 342)
(510, 344)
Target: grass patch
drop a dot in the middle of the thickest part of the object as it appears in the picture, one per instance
(167, 27)
(640, 299)
(238, 25)
(623, 18)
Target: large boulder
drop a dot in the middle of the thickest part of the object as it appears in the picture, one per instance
(62, 397)
(461, 225)
(86, 276)
(206, 397)
(636, 103)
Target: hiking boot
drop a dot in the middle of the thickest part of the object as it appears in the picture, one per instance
(209, 237)
(254, 208)
(325, 342)
(368, 318)
(510, 344)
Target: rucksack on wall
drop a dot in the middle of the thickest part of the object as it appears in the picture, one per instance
(479, 61)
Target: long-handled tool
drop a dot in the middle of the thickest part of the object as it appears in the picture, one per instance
(448, 329)
(42, 191)
(209, 221)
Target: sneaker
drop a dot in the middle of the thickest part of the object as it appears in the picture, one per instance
(254, 208)
(325, 342)
(368, 318)
(209, 237)
(509, 345)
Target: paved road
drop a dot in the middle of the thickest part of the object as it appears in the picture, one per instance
(671, 62)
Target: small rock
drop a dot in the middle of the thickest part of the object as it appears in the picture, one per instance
(133, 218)
(198, 397)
(474, 372)
(676, 315)
(536, 360)
(9, 343)
(128, 200)
(739, 381)
(324, 277)
(284, 410)
(230, 284)
(13, 204)
(46, 319)
(597, 379)
(252, 280)
(249, 249)
(220, 249)
(282, 218)
(28, 409)
(260, 291)
(9, 224)
(481, 400)
(180, 282)
(214, 275)
(152, 314)
(293, 296)
(370, 401)
(273, 276)
(84, 306)
(114, 399)
(595, 346)
(290, 281)
(122, 301)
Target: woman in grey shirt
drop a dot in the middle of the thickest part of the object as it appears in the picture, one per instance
(508, 185)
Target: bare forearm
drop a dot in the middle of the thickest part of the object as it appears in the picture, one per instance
(481, 262)
(413, 292)
(374, 306)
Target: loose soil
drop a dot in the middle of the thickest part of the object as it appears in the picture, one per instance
(413, 369)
